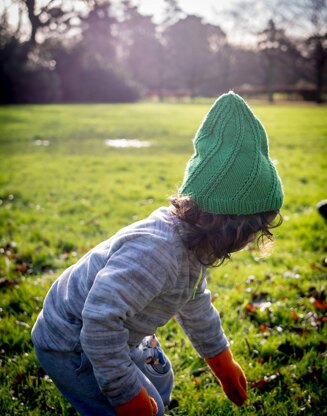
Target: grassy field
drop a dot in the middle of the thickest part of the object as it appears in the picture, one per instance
(62, 190)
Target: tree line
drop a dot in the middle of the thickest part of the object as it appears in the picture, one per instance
(108, 53)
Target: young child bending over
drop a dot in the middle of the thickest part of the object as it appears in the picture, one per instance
(94, 336)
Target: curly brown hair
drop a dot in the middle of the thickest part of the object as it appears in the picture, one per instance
(213, 237)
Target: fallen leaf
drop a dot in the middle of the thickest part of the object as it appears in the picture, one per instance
(197, 381)
(297, 397)
(4, 282)
(265, 358)
(263, 328)
(250, 280)
(198, 371)
(320, 304)
(170, 344)
(214, 297)
(19, 379)
(294, 315)
(258, 406)
(262, 305)
(173, 404)
(22, 268)
(316, 266)
(267, 383)
(314, 293)
(303, 332)
(313, 373)
(23, 324)
(291, 275)
(250, 308)
(260, 296)
(258, 384)
(290, 350)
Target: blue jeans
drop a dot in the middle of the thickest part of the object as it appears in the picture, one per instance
(73, 375)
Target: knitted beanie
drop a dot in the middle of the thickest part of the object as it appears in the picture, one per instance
(230, 171)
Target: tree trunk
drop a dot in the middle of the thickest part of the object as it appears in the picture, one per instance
(34, 20)
(270, 77)
(320, 60)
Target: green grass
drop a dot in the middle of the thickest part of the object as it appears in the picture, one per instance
(57, 201)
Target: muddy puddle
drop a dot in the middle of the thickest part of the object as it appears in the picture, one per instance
(124, 143)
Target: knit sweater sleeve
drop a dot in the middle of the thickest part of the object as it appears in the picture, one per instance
(134, 275)
(201, 323)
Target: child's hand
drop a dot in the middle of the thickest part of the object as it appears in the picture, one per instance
(230, 375)
(141, 405)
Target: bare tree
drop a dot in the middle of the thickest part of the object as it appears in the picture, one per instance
(192, 47)
(140, 49)
(97, 29)
(311, 15)
(303, 20)
(171, 14)
(273, 44)
(54, 18)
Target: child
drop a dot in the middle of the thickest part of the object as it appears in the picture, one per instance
(94, 336)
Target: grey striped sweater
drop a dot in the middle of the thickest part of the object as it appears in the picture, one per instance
(121, 291)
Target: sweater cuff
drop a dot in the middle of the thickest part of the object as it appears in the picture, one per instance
(213, 348)
(129, 392)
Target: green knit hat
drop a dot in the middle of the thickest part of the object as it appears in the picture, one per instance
(230, 171)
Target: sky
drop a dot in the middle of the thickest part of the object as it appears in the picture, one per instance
(208, 9)
(205, 8)
(211, 11)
